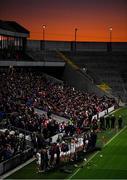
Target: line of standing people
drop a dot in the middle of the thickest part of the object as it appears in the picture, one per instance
(111, 122)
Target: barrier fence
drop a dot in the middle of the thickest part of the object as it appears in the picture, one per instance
(15, 161)
(61, 119)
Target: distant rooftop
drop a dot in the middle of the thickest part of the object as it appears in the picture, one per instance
(13, 27)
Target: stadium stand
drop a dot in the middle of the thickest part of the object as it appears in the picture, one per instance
(41, 114)
(13, 39)
(44, 56)
(104, 67)
(20, 92)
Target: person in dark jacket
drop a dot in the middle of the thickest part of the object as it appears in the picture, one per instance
(57, 149)
(102, 123)
(107, 120)
(44, 160)
(120, 121)
(113, 120)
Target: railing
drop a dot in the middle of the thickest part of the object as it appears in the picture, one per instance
(61, 119)
(13, 128)
(15, 161)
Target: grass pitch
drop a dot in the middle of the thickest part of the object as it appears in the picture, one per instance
(110, 163)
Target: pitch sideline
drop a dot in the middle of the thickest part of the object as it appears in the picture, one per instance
(96, 153)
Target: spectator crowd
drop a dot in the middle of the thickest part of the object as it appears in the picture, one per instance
(21, 92)
(11, 143)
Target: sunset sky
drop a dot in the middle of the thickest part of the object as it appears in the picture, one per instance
(92, 18)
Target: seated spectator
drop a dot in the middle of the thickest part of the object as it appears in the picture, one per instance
(11, 144)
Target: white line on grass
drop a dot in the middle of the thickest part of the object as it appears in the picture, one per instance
(97, 152)
(115, 136)
(16, 169)
(86, 163)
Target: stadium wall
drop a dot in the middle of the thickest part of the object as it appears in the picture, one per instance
(81, 46)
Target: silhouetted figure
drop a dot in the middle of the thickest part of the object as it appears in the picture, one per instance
(113, 119)
(44, 160)
(93, 139)
(52, 154)
(120, 121)
(107, 119)
(57, 149)
(102, 123)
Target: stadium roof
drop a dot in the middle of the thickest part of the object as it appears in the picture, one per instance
(12, 28)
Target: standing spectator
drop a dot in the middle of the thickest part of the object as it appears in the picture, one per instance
(85, 141)
(9, 151)
(107, 119)
(34, 141)
(38, 161)
(94, 124)
(93, 139)
(57, 154)
(102, 123)
(120, 121)
(44, 160)
(52, 154)
(113, 119)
